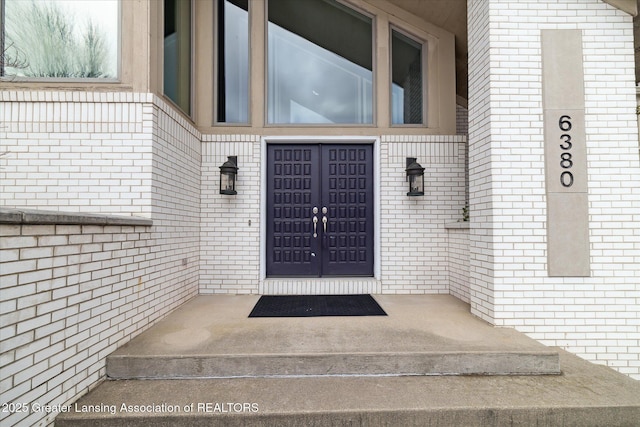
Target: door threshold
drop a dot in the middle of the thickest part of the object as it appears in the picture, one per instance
(320, 286)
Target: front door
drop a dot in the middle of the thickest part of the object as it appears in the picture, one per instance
(319, 210)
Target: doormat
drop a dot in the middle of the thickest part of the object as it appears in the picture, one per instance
(316, 305)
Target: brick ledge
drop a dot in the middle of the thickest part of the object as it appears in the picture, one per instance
(37, 217)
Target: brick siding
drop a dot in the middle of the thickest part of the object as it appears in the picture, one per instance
(594, 317)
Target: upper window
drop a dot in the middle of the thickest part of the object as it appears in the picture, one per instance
(59, 39)
(177, 52)
(233, 61)
(407, 87)
(319, 63)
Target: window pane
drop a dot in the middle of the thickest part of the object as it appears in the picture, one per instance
(320, 63)
(177, 52)
(233, 61)
(406, 74)
(61, 38)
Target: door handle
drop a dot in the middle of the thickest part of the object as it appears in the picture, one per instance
(315, 226)
(324, 219)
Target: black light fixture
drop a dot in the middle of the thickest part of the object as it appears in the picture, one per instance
(415, 176)
(228, 173)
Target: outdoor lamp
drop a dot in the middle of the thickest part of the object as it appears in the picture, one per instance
(415, 176)
(228, 172)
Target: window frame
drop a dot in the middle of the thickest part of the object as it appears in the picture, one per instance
(438, 67)
(73, 80)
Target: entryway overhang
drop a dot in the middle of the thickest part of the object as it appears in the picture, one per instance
(452, 16)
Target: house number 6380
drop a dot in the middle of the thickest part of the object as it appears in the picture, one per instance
(566, 161)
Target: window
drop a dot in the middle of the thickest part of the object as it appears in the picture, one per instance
(59, 39)
(233, 61)
(407, 92)
(319, 63)
(177, 52)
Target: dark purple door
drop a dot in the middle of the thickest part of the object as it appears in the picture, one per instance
(320, 210)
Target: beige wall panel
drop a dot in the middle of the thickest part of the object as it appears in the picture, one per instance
(568, 253)
(257, 62)
(156, 45)
(568, 235)
(382, 72)
(562, 71)
(629, 6)
(446, 82)
(136, 45)
(204, 49)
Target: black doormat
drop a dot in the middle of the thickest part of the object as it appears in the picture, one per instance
(316, 305)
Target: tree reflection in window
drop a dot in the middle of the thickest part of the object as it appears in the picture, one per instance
(60, 38)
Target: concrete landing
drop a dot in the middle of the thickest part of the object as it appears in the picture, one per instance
(584, 395)
(212, 337)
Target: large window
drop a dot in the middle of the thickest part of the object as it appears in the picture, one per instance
(319, 63)
(407, 93)
(59, 39)
(177, 52)
(233, 61)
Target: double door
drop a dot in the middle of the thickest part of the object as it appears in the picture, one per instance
(320, 210)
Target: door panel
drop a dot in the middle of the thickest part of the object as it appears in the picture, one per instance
(337, 179)
(347, 190)
(293, 188)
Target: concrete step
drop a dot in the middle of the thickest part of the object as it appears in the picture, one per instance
(365, 364)
(584, 395)
(211, 336)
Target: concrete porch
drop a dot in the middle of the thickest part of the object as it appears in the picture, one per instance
(211, 336)
(429, 362)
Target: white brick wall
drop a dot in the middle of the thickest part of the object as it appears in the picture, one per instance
(413, 235)
(458, 259)
(76, 151)
(230, 230)
(481, 265)
(595, 317)
(72, 294)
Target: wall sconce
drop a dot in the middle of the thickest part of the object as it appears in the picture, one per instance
(415, 176)
(228, 173)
